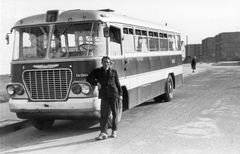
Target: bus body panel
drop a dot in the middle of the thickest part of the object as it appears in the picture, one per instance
(143, 74)
(148, 83)
(91, 15)
(118, 64)
(146, 76)
(131, 66)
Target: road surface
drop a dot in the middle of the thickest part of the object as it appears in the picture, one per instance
(203, 118)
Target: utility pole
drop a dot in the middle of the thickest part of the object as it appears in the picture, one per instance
(186, 49)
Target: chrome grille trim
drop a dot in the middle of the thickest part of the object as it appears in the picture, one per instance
(47, 84)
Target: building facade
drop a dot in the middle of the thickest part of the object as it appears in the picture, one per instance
(193, 50)
(208, 49)
(223, 47)
(227, 46)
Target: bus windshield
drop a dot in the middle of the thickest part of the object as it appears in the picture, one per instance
(64, 40)
(31, 42)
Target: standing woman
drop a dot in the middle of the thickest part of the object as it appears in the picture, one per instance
(193, 63)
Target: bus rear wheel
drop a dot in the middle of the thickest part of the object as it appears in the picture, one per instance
(168, 95)
(119, 114)
(42, 123)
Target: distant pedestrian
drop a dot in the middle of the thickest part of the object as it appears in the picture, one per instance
(110, 92)
(193, 64)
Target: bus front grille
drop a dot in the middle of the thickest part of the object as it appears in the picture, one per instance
(47, 84)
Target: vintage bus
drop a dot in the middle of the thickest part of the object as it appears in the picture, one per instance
(54, 52)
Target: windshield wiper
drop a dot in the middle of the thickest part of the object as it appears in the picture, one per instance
(66, 28)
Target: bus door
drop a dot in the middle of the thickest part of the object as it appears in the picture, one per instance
(115, 49)
(128, 49)
(130, 65)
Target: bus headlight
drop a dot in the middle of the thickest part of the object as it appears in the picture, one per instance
(15, 89)
(76, 89)
(86, 89)
(11, 90)
(83, 88)
(19, 90)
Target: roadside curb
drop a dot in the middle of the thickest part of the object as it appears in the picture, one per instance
(14, 126)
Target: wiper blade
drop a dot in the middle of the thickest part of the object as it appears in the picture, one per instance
(64, 31)
(66, 28)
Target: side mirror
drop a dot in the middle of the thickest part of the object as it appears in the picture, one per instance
(106, 32)
(7, 38)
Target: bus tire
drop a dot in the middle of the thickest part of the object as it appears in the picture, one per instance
(119, 114)
(41, 124)
(168, 96)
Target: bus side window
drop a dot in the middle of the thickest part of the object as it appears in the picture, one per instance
(153, 41)
(128, 40)
(172, 43)
(178, 43)
(114, 35)
(141, 40)
(115, 41)
(163, 42)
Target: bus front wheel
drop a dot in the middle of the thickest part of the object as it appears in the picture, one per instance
(42, 123)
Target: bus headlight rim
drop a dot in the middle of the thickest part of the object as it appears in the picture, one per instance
(11, 90)
(86, 89)
(19, 90)
(76, 88)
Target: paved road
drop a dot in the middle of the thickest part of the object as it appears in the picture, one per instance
(9, 121)
(203, 118)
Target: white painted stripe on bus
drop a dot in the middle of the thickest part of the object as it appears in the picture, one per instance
(150, 54)
(135, 81)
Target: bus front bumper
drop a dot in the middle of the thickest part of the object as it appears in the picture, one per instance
(84, 108)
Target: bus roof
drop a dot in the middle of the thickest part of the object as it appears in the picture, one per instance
(77, 15)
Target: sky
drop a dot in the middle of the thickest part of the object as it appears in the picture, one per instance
(196, 19)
